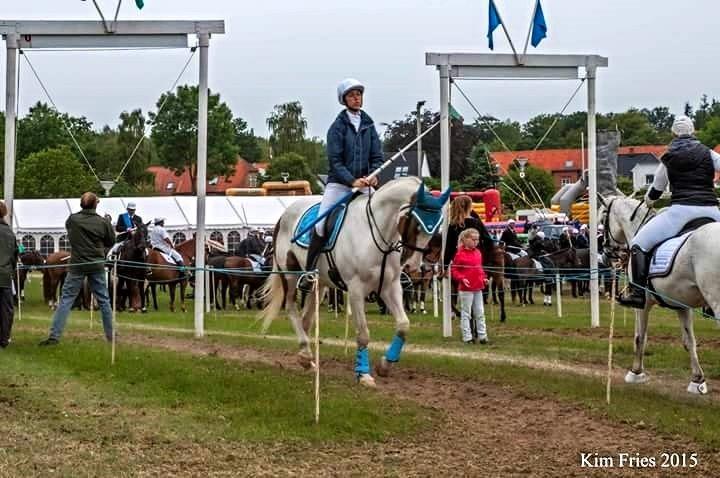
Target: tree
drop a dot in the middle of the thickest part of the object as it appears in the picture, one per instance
(52, 173)
(462, 139)
(174, 133)
(634, 127)
(287, 127)
(130, 130)
(482, 173)
(625, 185)
(660, 118)
(517, 192)
(295, 166)
(44, 128)
(710, 134)
(246, 142)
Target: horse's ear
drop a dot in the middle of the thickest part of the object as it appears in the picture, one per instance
(445, 196)
(420, 194)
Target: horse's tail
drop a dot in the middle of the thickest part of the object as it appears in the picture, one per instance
(272, 293)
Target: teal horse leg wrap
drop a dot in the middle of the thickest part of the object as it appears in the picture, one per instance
(395, 349)
(362, 361)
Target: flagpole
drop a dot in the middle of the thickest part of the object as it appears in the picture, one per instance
(502, 24)
(527, 40)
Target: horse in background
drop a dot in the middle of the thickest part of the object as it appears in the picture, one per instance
(419, 281)
(132, 271)
(168, 273)
(382, 232)
(29, 260)
(54, 276)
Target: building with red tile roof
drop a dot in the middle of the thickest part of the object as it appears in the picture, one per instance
(245, 175)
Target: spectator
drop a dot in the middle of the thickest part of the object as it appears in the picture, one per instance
(8, 263)
(468, 272)
(89, 235)
(460, 219)
(582, 241)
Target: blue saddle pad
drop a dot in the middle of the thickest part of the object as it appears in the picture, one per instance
(333, 223)
(664, 256)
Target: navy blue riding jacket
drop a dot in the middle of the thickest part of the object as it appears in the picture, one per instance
(351, 154)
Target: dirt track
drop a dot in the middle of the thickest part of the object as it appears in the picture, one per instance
(487, 430)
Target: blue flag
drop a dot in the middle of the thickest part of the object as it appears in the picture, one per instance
(493, 23)
(539, 27)
(139, 3)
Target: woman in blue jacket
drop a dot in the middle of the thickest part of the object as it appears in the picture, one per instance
(354, 151)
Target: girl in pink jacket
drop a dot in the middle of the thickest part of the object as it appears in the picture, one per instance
(468, 272)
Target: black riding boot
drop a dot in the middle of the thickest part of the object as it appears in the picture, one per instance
(640, 262)
(314, 249)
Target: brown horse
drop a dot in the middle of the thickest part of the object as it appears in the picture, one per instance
(227, 278)
(164, 272)
(420, 279)
(54, 276)
(494, 265)
(29, 260)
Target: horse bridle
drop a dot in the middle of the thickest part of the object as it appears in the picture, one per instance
(403, 243)
(611, 246)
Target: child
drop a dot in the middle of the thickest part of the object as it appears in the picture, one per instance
(467, 271)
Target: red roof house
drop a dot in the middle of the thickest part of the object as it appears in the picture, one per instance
(245, 175)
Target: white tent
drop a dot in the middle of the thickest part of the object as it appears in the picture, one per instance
(40, 223)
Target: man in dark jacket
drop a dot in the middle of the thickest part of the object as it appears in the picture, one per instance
(509, 237)
(8, 263)
(89, 235)
(128, 220)
(354, 151)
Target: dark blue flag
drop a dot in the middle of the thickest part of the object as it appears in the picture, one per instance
(539, 27)
(493, 23)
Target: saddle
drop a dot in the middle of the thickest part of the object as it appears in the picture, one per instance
(664, 254)
(333, 224)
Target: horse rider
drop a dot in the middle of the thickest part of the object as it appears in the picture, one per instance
(509, 237)
(536, 246)
(582, 241)
(160, 240)
(128, 221)
(354, 151)
(689, 168)
(564, 241)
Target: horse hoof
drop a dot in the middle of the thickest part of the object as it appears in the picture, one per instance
(144, 310)
(366, 380)
(632, 377)
(698, 388)
(305, 361)
(383, 368)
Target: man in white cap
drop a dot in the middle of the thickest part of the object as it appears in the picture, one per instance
(688, 167)
(127, 221)
(160, 240)
(509, 237)
(582, 241)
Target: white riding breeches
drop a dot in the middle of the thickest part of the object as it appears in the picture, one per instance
(333, 193)
(174, 255)
(669, 223)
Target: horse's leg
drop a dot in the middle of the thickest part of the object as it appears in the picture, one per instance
(392, 295)
(171, 286)
(698, 384)
(153, 292)
(501, 296)
(423, 291)
(305, 356)
(637, 374)
(183, 284)
(362, 356)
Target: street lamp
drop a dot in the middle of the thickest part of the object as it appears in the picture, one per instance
(418, 121)
(285, 176)
(522, 162)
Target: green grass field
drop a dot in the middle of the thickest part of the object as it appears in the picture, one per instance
(70, 392)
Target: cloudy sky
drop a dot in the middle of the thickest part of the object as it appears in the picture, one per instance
(661, 52)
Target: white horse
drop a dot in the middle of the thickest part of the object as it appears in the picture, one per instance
(381, 232)
(693, 281)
